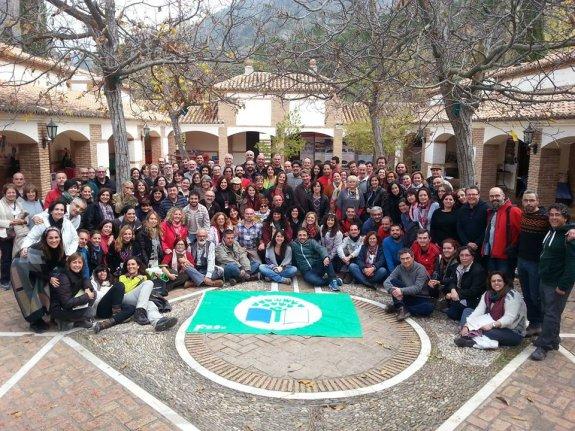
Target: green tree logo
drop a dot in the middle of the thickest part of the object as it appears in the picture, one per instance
(277, 305)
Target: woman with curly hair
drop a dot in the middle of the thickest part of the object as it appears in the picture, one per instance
(124, 248)
(219, 224)
(225, 197)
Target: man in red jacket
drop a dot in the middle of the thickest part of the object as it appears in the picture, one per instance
(502, 234)
(56, 193)
(425, 251)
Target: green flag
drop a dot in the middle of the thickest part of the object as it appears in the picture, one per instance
(281, 313)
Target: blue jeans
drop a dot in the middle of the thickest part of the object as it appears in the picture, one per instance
(232, 270)
(505, 336)
(416, 305)
(456, 309)
(287, 272)
(315, 275)
(464, 315)
(529, 279)
(377, 278)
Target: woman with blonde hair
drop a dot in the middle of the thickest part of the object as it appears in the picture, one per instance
(149, 239)
(173, 227)
(311, 225)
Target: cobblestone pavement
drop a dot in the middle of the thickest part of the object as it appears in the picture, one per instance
(46, 383)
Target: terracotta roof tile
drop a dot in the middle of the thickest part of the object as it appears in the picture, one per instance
(266, 82)
(33, 99)
(201, 115)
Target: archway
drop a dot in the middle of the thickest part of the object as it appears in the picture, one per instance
(198, 142)
(413, 151)
(11, 151)
(500, 163)
(152, 147)
(556, 172)
(65, 149)
(239, 143)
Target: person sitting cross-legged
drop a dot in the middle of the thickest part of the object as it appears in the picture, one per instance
(313, 262)
(278, 266)
(234, 258)
(407, 285)
(369, 267)
(507, 316)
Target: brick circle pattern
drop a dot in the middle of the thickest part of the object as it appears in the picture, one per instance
(299, 365)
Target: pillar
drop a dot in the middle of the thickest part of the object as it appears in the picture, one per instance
(35, 162)
(338, 142)
(477, 138)
(222, 143)
(543, 173)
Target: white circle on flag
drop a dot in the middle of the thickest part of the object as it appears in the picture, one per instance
(277, 312)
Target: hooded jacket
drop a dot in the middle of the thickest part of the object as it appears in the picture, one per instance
(557, 262)
(308, 255)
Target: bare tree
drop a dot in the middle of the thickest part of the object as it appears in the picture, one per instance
(115, 42)
(464, 48)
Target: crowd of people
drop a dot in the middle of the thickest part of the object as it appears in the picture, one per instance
(93, 249)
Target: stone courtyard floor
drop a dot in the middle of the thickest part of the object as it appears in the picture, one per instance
(398, 376)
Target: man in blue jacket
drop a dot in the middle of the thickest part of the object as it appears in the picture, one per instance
(313, 262)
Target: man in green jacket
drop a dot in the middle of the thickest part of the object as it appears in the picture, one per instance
(313, 262)
(234, 258)
(557, 274)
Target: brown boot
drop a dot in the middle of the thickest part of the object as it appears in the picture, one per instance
(213, 283)
(103, 324)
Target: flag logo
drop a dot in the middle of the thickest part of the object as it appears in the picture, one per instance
(277, 312)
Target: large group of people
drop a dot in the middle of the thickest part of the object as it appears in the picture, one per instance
(93, 249)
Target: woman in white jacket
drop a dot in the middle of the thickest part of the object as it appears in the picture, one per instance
(502, 314)
(54, 218)
(108, 302)
(10, 222)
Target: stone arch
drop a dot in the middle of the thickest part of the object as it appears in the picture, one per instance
(67, 150)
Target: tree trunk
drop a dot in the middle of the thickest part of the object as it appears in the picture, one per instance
(376, 128)
(113, 92)
(460, 116)
(180, 144)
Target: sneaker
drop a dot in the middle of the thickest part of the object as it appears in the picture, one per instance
(165, 323)
(402, 314)
(339, 281)
(39, 326)
(334, 286)
(539, 354)
(390, 308)
(533, 330)
(464, 342)
(83, 324)
(141, 316)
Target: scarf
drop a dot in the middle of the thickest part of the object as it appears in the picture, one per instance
(107, 212)
(371, 251)
(495, 302)
(55, 223)
(311, 230)
(175, 256)
(423, 213)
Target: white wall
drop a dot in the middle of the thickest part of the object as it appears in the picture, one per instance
(255, 112)
(311, 111)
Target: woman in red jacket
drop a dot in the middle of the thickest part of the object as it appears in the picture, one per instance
(173, 227)
(176, 264)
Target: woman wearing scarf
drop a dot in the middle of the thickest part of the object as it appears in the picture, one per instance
(220, 222)
(250, 200)
(423, 211)
(98, 211)
(31, 273)
(317, 201)
(70, 191)
(376, 195)
(338, 185)
(445, 268)
(504, 312)
(465, 290)
(310, 224)
(55, 219)
(369, 267)
(176, 264)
